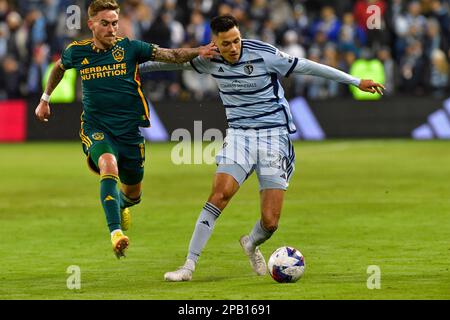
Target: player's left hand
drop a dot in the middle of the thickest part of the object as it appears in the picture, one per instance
(209, 51)
(42, 111)
(371, 86)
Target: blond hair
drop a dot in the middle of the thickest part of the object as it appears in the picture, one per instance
(99, 5)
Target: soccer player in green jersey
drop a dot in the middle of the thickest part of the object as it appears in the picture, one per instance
(114, 107)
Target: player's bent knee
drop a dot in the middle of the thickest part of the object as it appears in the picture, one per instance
(107, 164)
(220, 199)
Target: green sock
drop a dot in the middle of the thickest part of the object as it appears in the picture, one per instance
(109, 195)
(126, 202)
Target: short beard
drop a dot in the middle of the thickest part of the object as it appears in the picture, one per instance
(106, 44)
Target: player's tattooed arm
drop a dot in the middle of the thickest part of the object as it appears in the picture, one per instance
(42, 111)
(182, 55)
(55, 77)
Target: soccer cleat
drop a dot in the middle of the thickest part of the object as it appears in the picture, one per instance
(120, 243)
(125, 219)
(255, 256)
(183, 273)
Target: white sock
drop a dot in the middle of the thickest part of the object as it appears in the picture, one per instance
(259, 234)
(189, 264)
(203, 230)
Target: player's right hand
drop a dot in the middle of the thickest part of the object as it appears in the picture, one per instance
(42, 111)
(209, 51)
(371, 86)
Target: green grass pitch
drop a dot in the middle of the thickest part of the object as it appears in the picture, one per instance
(351, 204)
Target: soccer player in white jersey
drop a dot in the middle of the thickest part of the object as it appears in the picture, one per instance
(260, 122)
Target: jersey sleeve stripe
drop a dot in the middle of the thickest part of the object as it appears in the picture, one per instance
(247, 46)
(258, 42)
(193, 66)
(255, 46)
(79, 43)
(292, 68)
(260, 45)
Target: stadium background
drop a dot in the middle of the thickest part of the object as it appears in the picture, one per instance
(352, 203)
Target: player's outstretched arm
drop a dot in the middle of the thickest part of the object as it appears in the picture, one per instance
(42, 111)
(152, 66)
(306, 66)
(182, 55)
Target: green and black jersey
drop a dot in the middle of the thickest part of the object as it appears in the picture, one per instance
(112, 96)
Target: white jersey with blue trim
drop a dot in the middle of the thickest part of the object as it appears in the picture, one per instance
(250, 90)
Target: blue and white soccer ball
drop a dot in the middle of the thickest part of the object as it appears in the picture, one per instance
(286, 264)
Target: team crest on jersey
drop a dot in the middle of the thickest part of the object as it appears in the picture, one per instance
(98, 136)
(118, 54)
(248, 69)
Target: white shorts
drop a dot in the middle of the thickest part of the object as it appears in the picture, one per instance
(268, 152)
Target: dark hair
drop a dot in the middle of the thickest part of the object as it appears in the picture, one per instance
(223, 23)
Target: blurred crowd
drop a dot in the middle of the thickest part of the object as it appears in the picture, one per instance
(412, 43)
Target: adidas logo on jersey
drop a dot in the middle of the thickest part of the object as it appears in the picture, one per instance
(221, 70)
(85, 61)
